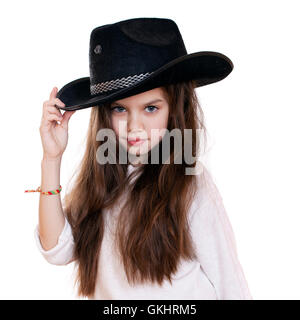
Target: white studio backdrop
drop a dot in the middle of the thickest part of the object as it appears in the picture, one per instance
(252, 119)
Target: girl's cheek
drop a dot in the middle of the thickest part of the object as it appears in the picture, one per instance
(115, 125)
(157, 134)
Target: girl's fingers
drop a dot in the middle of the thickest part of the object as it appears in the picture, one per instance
(52, 117)
(66, 117)
(53, 93)
(50, 111)
(54, 110)
(57, 101)
(53, 102)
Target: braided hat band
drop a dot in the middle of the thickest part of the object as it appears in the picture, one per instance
(118, 83)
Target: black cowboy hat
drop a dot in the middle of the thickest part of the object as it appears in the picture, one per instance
(135, 55)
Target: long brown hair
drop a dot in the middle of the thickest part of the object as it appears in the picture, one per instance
(152, 231)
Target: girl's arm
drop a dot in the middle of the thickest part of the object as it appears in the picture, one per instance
(53, 233)
(51, 217)
(216, 245)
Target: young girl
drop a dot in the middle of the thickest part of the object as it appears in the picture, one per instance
(143, 230)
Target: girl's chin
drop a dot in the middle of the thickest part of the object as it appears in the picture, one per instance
(137, 152)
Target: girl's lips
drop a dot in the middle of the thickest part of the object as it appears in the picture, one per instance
(136, 142)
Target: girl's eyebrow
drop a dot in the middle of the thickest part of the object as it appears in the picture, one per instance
(150, 102)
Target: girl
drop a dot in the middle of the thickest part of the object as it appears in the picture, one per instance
(141, 230)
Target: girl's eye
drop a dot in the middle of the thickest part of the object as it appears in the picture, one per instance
(118, 107)
(152, 107)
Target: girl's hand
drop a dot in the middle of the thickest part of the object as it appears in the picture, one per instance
(54, 135)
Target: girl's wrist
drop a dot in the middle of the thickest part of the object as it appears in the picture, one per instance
(47, 159)
(50, 178)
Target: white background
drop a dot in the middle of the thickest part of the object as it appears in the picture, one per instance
(252, 118)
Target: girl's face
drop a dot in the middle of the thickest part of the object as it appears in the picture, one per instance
(137, 116)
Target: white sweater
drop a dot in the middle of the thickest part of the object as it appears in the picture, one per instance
(216, 275)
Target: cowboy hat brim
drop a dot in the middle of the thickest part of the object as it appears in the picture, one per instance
(204, 67)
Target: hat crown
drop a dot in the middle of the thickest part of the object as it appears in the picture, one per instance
(132, 49)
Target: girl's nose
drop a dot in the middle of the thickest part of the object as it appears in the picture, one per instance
(134, 122)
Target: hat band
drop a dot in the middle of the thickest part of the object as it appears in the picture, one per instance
(118, 83)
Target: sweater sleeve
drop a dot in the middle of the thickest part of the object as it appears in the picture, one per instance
(62, 252)
(216, 245)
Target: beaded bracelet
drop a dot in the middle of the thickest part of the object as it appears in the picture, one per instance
(56, 191)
